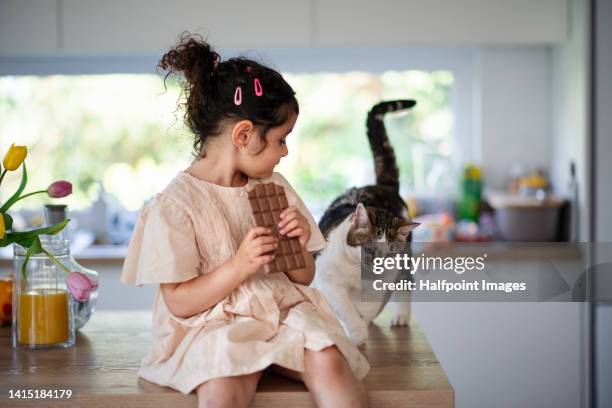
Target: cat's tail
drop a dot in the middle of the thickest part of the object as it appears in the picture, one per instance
(385, 165)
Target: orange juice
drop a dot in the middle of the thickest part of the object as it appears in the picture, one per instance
(43, 317)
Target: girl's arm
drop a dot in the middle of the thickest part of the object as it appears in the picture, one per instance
(305, 275)
(194, 296)
(191, 297)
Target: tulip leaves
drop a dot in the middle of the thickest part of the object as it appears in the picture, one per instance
(31, 241)
(25, 236)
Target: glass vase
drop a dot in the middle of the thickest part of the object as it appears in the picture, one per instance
(60, 243)
(83, 310)
(42, 305)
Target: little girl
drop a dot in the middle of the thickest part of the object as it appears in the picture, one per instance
(219, 320)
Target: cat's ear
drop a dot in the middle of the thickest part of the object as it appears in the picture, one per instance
(406, 229)
(360, 217)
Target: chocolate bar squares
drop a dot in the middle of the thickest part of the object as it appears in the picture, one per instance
(267, 202)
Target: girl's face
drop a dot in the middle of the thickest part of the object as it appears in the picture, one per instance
(262, 165)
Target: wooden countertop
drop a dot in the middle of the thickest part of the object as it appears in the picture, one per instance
(101, 370)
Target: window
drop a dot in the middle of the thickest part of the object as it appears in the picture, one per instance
(124, 131)
(119, 130)
(330, 147)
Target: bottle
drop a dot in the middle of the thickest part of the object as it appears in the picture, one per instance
(469, 199)
(82, 310)
(100, 217)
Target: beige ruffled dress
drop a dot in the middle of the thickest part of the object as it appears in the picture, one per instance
(189, 229)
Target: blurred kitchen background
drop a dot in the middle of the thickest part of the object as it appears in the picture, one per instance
(502, 114)
(508, 141)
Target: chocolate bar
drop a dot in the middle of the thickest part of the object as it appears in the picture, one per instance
(267, 202)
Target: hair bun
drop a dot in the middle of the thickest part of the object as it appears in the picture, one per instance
(192, 56)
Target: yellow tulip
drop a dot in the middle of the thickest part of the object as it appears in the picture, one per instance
(14, 157)
(2, 227)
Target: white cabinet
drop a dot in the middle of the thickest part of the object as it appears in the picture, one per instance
(133, 27)
(403, 22)
(509, 354)
(28, 26)
(144, 26)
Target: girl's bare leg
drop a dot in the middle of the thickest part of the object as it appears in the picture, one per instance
(329, 378)
(228, 391)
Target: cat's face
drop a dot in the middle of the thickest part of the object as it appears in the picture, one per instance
(377, 225)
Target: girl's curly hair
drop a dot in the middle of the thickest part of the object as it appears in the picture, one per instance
(209, 85)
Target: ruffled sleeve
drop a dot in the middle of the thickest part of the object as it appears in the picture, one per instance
(163, 247)
(316, 241)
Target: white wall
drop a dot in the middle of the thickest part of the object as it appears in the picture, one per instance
(513, 110)
(570, 110)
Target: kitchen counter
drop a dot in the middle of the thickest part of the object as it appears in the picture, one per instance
(101, 370)
(113, 255)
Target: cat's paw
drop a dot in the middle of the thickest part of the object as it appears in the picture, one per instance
(400, 319)
(358, 335)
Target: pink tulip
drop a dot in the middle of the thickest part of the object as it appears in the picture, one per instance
(59, 189)
(80, 286)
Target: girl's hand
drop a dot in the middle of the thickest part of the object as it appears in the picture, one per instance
(294, 224)
(254, 251)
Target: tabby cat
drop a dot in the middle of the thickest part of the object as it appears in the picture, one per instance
(359, 216)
